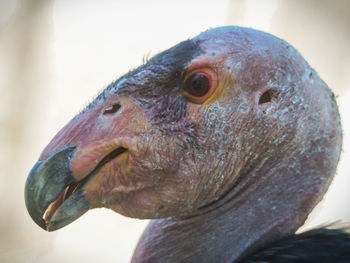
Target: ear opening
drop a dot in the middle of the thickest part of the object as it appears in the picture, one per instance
(270, 95)
(265, 97)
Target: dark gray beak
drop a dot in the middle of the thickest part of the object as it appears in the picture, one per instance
(47, 181)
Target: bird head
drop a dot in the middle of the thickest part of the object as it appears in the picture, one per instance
(214, 114)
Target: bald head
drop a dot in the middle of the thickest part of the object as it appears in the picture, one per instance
(230, 114)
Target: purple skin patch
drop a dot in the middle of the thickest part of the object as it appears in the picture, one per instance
(222, 177)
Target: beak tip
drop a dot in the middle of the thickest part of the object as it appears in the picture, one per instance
(45, 182)
(31, 197)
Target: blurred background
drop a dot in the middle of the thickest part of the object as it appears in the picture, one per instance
(56, 55)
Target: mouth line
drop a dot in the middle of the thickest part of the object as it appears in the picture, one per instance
(73, 187)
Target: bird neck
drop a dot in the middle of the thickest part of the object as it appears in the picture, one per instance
(253, 214)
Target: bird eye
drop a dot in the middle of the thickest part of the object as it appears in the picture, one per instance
(199, 85)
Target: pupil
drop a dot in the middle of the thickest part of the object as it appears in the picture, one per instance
(198, 85)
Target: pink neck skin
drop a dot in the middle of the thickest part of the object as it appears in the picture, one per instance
(253, 214)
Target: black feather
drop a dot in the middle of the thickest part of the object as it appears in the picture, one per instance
(316, 246)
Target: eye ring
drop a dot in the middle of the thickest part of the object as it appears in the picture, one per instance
(199, 85)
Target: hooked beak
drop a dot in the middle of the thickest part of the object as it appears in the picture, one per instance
(53, 196)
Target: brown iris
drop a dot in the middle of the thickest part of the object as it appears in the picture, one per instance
(199, 85)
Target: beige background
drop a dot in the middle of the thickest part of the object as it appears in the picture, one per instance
(56, 55)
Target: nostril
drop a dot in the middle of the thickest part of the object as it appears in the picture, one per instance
(112, 109)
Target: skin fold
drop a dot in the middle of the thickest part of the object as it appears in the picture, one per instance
(223, 175)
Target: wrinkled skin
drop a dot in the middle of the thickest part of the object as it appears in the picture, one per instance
(183, 158)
